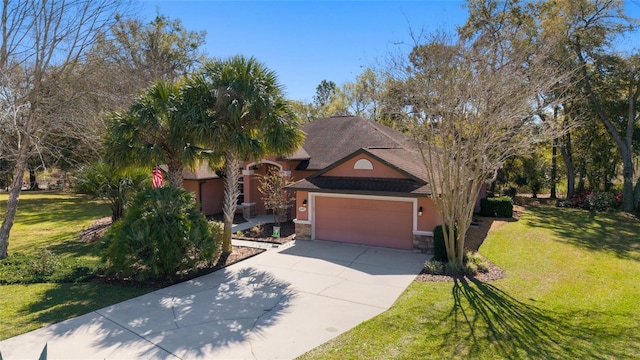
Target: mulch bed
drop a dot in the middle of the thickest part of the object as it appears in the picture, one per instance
(494, 273)
(95, 231)
(475, 238)
(264, 232)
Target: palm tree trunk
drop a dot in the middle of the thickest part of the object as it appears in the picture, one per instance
(232, 171)
(174, 173)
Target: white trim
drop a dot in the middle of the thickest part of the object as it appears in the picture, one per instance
(264, 162)
(363, 164)
(425, 233)
(248, 172)
(304, 222)
(248, 204)
(312, 206)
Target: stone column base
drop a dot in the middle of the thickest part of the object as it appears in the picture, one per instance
(303, 231)
(248, 210)
(423, 243)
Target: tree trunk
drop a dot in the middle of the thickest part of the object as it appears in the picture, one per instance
(554, 167)
(174, 173)
(12, 202)
(636, 194)
(581, 174)
(623, 145)
(565, 151)
(232, 172)
(627, 186)
(33, 180)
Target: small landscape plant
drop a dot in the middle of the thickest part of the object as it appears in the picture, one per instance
(162, 234)
(473, 264)
(275, 196)
(433, 267)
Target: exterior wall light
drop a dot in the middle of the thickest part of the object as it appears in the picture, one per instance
(303, 208)
(420, 211)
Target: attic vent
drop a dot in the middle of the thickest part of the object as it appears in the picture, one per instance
(363, 164)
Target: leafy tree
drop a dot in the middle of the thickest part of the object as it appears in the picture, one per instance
(610, 82)
(306, 112)
(41, 44)
(152, 132)
(239, 111)
(103, 181)
(135, 55)
(365, 95)
(163, 233)
(325, 92)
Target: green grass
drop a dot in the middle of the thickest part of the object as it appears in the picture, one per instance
(52, 221)
(572, 290)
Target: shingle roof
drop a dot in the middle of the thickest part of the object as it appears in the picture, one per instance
(331, 139)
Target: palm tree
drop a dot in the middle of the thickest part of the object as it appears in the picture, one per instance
(151, 132)
(239, 112)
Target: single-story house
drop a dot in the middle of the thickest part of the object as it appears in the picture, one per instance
(356, 181)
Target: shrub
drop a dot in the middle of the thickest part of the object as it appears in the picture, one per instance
(470, 269)
(483, 267)
(433, 267)
(497, 207)
(162, 233)
(475, 263)
(46, 266)
(104, 181)
(597, 201)
(439, 248)
(452, 269)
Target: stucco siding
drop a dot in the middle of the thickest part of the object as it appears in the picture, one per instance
(213, 192)
(380, 170)
(429, 218)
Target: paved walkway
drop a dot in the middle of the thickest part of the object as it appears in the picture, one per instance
(276, 305)
(260, 219)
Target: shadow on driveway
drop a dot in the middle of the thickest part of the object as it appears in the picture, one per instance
(188, 320)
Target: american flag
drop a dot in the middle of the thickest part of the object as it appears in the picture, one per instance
(157, 178)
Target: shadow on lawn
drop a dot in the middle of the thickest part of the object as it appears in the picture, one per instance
(484, 314)
(71, 209)
(594, 231)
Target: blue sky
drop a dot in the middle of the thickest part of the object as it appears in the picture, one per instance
(306, 42)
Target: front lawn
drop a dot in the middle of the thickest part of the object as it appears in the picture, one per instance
(572, 290)
(53, 221)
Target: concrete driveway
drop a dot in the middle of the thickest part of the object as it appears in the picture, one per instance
(276, 305)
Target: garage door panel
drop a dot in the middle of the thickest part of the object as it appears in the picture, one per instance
(364, 221)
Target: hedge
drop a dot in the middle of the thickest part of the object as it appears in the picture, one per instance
(497, 207)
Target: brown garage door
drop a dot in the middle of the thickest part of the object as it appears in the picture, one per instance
(364, 221)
